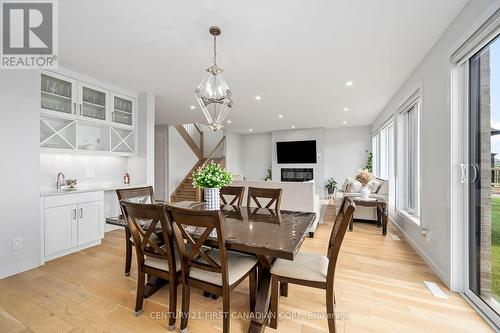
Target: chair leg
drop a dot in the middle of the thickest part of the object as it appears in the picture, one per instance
(330, 311)
(284, 289)
(253, 288)
(274, 302)
(140, 293)
(185, 308)
(172, 308)
(226, 302)
(128, 252)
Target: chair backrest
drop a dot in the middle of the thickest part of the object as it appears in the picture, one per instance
(138, 195)
(344, 217)
(274, 194)
(236, 191)
(145, 220)
(204, 222)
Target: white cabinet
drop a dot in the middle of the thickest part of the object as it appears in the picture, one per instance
(89, 224)
(78, 116)
(58, 95)
(123, 111)
(71, 222)
(60, 229)
(93, 103)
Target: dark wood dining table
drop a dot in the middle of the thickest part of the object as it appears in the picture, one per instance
(266, 233)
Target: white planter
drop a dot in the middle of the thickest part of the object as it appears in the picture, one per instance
(212, 200)
(365, 192)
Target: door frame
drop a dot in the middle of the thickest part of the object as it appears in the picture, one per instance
(460, 181)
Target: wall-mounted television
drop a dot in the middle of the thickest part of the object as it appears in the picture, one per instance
(296, 152)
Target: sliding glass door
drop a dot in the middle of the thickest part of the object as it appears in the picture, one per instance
(484, 179)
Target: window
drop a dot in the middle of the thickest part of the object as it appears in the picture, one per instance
(383, 155)
(375, 151)
(409, 157)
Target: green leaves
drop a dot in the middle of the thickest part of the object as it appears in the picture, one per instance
(211, 175)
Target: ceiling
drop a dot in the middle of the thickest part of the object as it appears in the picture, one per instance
(296, 55)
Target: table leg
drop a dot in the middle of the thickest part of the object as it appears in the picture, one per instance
(262, 302)
(384, 220)
(284, 289)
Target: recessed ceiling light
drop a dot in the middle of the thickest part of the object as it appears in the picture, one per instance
(229, 121)
(280, 116)
(250, 130)
(349, 83)
(192, 107)
(258, 97)
(344, 122)
(293, 126)
(346, 109)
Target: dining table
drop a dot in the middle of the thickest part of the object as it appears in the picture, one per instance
(266, 233)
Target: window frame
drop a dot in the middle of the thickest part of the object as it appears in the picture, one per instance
(408, 186)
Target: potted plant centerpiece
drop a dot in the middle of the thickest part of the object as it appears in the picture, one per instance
(211, 177)
(364, 177)
(330, 186)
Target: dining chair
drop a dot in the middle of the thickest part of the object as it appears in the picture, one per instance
(216, 271)
(313, 270)
(273, 194)
(236, 191)
(153, 259)
(137, 195)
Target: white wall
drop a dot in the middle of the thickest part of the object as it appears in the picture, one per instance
(234, 153)
(141, 167)
(210, 139)
(181, 159)
(433, 75)
(344, 151)
(256, 155)
(19, 169)
(341, 152)
(317, 134)
(108, 170)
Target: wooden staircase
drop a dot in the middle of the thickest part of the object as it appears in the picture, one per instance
(185, 190)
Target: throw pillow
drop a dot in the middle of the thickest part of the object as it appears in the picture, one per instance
(374, 185)
(354, 186)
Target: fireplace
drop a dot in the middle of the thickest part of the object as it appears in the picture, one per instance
(296, 175)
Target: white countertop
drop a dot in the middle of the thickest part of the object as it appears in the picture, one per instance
(90, 188)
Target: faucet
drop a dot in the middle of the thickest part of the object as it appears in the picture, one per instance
(60, 180)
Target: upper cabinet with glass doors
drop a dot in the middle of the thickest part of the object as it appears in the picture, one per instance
(58, 96)
(79, 116)
(93, 102)
(123, 110)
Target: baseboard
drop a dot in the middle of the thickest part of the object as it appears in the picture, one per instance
(422, 254)
(13, 270)
(72, 250)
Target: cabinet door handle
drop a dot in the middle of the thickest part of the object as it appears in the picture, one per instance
(74, 108)
(81, 213)
(74, 214)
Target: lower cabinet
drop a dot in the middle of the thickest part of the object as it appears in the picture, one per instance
(88, 222)
(71, 222)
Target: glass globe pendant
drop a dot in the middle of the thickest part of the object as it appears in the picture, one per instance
(213, 94)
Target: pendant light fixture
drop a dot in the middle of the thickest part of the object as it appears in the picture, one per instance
(212, 93)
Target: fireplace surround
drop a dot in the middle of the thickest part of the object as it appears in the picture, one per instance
(297, 174)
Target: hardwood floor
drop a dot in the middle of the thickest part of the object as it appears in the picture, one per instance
(379, 287)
